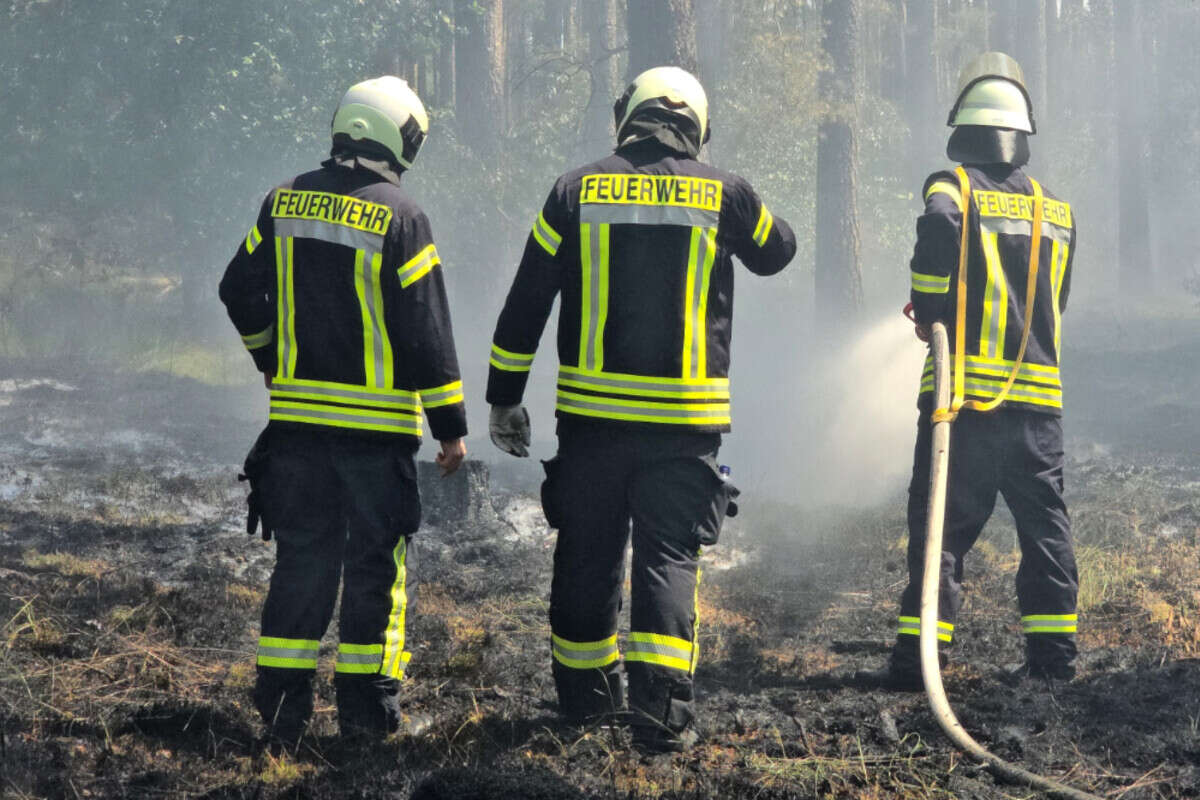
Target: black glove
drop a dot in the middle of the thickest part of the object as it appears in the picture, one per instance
(255, 470)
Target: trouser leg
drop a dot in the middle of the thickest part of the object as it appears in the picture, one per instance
(383, 506)
(585, 496)
(670, 500)
(1047, 579)
(970, 498)
(303, 495)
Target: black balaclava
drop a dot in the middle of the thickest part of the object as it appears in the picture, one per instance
(670, 130)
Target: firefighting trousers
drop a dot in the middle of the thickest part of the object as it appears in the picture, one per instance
(666, 488)
(342, 507)
(1018, 454)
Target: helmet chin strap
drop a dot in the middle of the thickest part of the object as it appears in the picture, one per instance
(978, 144)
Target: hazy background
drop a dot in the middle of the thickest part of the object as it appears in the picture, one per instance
(138, 137)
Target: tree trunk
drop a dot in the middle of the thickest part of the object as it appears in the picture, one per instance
(661, 33)
(445, 67)
(893, 63)
(924, 114)
(838, 274)
(601, 19)
(1135, 264)
(480, 73)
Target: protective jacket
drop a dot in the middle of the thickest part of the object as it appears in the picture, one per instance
(337, 292)
(640, 245)
(1000, 224)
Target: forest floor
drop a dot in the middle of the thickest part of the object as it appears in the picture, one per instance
(129, 600)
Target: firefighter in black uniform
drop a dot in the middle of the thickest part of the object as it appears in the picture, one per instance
(339, 297)
(639, 245)
(979, 286)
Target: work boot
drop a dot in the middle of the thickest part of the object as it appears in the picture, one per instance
(652, 740)
(902, 673)
(1031, 671)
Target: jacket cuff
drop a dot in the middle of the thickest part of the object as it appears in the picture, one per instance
(447, 422)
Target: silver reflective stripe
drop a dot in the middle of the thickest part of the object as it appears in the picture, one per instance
(634, 646)
(510, 361)
(433, 398)
(699, 267)
(606, 382)
(630, 214)
(329, 232)
(361, 658)
(284, 265)
(286, 652)
(579, 654)
(593, 235)
(369, 269)
(997, 299)
(284, 387)
(415, 268)
(676, 412)
(1018, 390)
(300, 413)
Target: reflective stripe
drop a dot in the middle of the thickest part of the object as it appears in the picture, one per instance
(1050, 623)
(584, 655)
(545, 235)
(644, 386)
(509, 361)
(346, 394)
(394, 656)
(418, 266)
(763, 229)
(329, 232)
(377, 347)
(930, 284)
(995, 301)
(253, 239)
(593, 244)
(911, 626)
(656, 648)
(286, 324)
(274, 651)
(1045, 376)
(442, 395)
(362, 659)
(946, 188)
(701, 254)
(1022, 227)
(339, 417)
(639, 411)
(633, 214)
(260, 339)
(1059, 253)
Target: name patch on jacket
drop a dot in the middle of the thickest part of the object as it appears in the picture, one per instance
(336, 209)
(652, 190)
(1020, 206)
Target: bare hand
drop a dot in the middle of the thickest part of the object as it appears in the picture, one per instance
(451, 457)
(267, 379)
(923, 332)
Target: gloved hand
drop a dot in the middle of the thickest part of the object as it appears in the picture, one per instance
(509, 429)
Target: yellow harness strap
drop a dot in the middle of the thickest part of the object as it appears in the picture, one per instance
(960, 326)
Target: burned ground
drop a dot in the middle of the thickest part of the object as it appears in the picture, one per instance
(130, 596)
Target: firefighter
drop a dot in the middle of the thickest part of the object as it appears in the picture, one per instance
(978, 285)
(639, 246)
(338, 294)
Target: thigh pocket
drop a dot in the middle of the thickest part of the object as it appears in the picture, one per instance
(407, 513)
(552, 492)
(720, 505)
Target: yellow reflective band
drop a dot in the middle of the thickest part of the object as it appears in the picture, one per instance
(286, 302)
(345, 417)
(995, 300)
(510, 361)
(643, 411)
(253, 239)
(1021, 206)
(1050, 623)
(345, 394)
(763, 229)
(360, 649)
(593, 244)
(584, 655)
(946, 188)
(368, 324)
(446, 395)
(274, 651)
(1058, 261)
(419, 266)
(659, 649)
(335, 209)
(644, 385)
(545, 234)
(701, 254)
(260, 339)
(930, 284)
(359, 659)
(911, 626)
(652, 190)
(394, 655)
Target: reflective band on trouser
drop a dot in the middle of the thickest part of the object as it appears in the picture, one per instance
(343, 417)
(593, 250)
(359, 659)
(446, 395)
(274, 651)
(418, 266)
(649, 387)
(911, 626)
(643, 411)
(377, 346)
(930, 284)
(545, 235)
(510, 361)
(395, 659)
(260, 339)
(763, 229)
(253, 239)
(701, 254)
(1050, 623)
(657, 648)
(584, 655)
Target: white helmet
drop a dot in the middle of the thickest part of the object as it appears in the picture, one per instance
(382, 116)
(676, 91)
(991, 93)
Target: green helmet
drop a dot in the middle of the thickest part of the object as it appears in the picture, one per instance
(384, 117)
(991, 93)
(672, 91)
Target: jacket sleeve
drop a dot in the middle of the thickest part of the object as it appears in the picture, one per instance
(523, 318)
(248, 291)
(425, 333)
(935, 255)
(1066, 278)
(763, 242)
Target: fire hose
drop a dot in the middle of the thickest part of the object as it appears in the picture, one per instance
(947, 404)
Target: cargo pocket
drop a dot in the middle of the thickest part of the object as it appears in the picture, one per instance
(408, 496)
(708, 528)
(552, 493)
